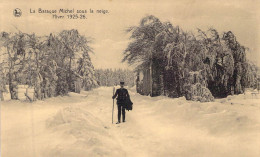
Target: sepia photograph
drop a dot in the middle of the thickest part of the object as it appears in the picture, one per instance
(130, 78)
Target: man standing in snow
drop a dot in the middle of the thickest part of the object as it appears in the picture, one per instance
(122, 95)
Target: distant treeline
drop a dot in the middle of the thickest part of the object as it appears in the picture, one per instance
(109, 77)
(49, 64)
(176, 63)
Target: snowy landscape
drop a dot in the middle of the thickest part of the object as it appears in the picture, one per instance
(190, 68)
(80, 125)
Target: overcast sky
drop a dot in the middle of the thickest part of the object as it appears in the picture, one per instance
(108, 30)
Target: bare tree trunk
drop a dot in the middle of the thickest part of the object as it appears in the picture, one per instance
(151, 78)
(70, 73)
(2, 95)
(12, 85)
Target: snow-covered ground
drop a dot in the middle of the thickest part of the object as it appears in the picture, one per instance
(79, 125)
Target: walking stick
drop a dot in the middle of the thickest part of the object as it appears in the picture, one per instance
(113, 104)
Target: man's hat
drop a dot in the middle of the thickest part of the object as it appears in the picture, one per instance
(122, 83)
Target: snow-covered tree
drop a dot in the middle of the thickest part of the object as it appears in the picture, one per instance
(109, 77)
(170, 57)
(49, 64)
(86, 70)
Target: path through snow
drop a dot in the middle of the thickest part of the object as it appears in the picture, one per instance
(80, 125)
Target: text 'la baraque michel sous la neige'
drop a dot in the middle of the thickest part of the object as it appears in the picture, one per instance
(67, 11)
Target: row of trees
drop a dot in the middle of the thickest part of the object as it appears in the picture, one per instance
(49, 64)
(109, 77)
(174, 56)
